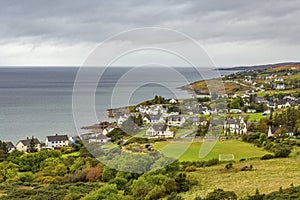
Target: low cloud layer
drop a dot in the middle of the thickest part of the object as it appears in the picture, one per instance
(232, 32)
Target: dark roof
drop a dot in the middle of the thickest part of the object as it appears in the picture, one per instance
(10, 145)
(194, 119)
(159, 127)
(282, 101)
(27, 141)
(175, 118)
(57, 138)
(232, 121)
(288, 128)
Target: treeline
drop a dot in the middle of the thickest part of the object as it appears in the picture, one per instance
(77, 175)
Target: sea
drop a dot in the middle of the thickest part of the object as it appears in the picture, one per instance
(37, 101)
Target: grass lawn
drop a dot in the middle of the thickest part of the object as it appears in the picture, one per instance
(190, 151)
(267, 176)
(252, 116)
(76, 153)
(182, 131)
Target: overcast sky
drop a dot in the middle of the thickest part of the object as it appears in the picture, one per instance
(63, 33)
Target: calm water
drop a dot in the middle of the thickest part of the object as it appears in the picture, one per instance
(38, 101)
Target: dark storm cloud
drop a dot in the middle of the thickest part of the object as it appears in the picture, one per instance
(92, 21)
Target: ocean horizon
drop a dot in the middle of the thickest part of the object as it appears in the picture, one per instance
(37, 101)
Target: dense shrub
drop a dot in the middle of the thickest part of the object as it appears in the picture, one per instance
(267, 157)
(220, 194)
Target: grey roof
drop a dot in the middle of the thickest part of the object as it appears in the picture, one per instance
(100, 137)
(159, 127)
(194, 119)
(288, 128)
(153, 117)
(282, 102)
(175, 118)
(56, 137)
(10, 145)
(27, 141)
(232, 121)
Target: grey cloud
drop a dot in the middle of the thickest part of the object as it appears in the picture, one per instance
(74, 21)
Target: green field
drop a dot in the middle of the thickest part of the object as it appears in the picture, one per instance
(268, 176)
(190, 151)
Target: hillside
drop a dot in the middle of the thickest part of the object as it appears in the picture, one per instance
(278, 77)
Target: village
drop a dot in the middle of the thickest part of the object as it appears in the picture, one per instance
(246, 112)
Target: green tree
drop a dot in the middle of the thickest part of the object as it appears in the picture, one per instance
(107, 192)
(8, 170)
(220, 194)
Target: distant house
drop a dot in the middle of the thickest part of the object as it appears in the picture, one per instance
(176, 120)
(231, 95)
(161, 131)
(57, 141)
(173, 101)
(283, 104)
(10, 147)
(278, 79)
(122, 119)
(237, 126)
(251, 111)
(99, 138)
(153, 119)
(272, 131)
(196, 121)
(267, 112)
(235, 111)
(271, 105)
(260, 100)
(280, 87)
(24, 145)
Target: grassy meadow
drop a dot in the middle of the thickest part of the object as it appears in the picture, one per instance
(191, 150)
(268, 176)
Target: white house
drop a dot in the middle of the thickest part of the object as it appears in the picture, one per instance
(153, 119)
(173, 101)
(99, 138)
(272, 131)
(176, 120)
(122, 119)
(159, 131)
(57, 141)
(280, 87)
(196, 121)
(24, 145)
(237, 126)
(283, 104)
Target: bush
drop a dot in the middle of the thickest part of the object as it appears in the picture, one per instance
(220, 194)
(267, 157)
(26, 177)
(94, 174)
(229, 166)
(212, 162)
(190, 168)
(282, 151)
